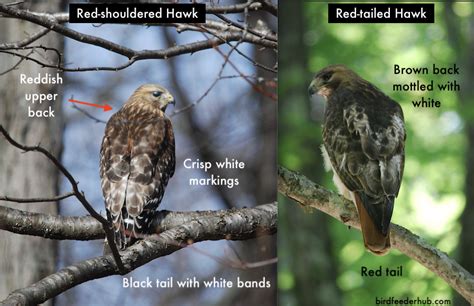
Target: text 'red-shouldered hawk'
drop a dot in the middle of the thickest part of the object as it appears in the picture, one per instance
(364, 143)
(137, 158)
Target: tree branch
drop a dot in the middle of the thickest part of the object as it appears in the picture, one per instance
(239, 8)
(37, 200)
(50, 226)
(300, 189)
(88, 228)
(26, 41)
(233, 224)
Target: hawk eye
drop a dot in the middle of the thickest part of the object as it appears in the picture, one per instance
(326, 77)
(156, 93)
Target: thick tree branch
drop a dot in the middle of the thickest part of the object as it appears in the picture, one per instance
(88, 228)
(300, 189)
(234, 224)
(50, 226)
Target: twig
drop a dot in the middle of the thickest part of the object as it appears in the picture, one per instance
(250, 30)
(236, 8)
(16, 65)
(219, 36)
(208, 90)
(77, 193)
(37, 200)
(300, 189)
(87, 114)
(256, 87)
(26, 41)
(14, 3)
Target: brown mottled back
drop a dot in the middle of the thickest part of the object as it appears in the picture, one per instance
(364, 142)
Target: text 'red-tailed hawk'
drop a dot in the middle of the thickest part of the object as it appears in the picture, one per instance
(137, 158)
(364, 141)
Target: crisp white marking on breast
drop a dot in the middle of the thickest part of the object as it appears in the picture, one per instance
(326, 159)
(337, 181)
(382, 169)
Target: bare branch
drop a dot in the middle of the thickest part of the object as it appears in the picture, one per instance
(62, 68)
(255, 87)
(16, 65)
(14, 3)
(208, 90)
(233, 224)
(77, 193)
(256, 32)
(300, 189)
(50, 226)
(54, 25)
(37, 200)
(87, 114)
(236, 8)
(25, 41)
(87, 227)
(225, 33)
(217, 34)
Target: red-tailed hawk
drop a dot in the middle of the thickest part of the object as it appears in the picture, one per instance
(364, 141)
(137, 158)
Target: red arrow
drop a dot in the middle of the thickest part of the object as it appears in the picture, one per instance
(105, 107)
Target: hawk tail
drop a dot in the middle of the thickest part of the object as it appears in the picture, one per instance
(129, 229)
(122, 241)
(125, 230)
(376, 240)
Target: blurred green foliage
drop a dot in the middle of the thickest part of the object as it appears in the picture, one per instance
(431, 198)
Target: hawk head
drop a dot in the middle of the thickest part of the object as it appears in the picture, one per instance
(153, 95)
(328, 80)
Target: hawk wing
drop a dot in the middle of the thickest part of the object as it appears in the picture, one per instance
(366, 150)
(137, 160)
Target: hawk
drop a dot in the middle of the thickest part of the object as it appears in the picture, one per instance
(363, 143)
(137, 158)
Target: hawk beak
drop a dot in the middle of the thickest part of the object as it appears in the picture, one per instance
(312, 88)
(170, 99)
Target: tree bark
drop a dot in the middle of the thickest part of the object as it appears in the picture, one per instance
(304, 238)
(27, 175)
(263, 185)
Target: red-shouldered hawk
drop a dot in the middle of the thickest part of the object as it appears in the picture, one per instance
(364, 145)
(137, 158)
